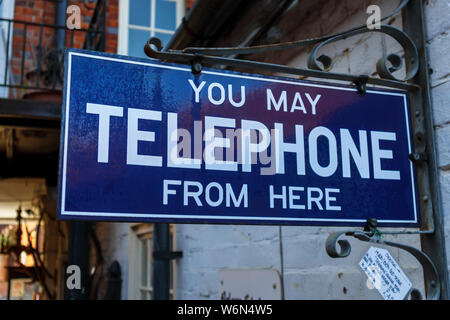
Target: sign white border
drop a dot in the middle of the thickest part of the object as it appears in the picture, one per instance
(214, 217)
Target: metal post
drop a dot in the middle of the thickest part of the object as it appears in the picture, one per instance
(79, 255)
(78, 231)
(60, 20)
(161, 261)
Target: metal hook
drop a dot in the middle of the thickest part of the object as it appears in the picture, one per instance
(196, 65)
(361, 84)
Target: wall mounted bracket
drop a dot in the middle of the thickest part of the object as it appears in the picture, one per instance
(372, 234)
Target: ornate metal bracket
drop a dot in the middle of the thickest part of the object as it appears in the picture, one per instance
(372, 234)
(318, 65)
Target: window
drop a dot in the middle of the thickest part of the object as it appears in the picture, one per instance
(140, 275)
(145, 249)
(141, 19)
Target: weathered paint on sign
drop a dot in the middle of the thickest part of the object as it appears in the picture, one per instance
(149, 141)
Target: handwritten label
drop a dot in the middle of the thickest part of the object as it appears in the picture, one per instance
(385, 274)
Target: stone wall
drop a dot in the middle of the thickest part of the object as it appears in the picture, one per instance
(438, 42)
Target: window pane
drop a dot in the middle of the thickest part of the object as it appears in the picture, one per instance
(164, 37)
(140, 12)
(144, 263)
(165, 14)
(136, 42)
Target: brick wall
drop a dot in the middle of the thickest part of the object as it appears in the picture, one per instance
(26, 39)
(112, 26)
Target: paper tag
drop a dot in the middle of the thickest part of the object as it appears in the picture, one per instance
(385, 274)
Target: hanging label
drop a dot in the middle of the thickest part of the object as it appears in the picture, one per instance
(385, 274)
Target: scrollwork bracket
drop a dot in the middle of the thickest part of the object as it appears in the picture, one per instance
(339, 248)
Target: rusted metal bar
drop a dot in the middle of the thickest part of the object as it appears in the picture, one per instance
(191, 58)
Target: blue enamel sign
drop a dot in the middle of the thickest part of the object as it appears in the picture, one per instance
(144, 140)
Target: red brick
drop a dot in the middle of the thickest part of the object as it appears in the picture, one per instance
(189, 3)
